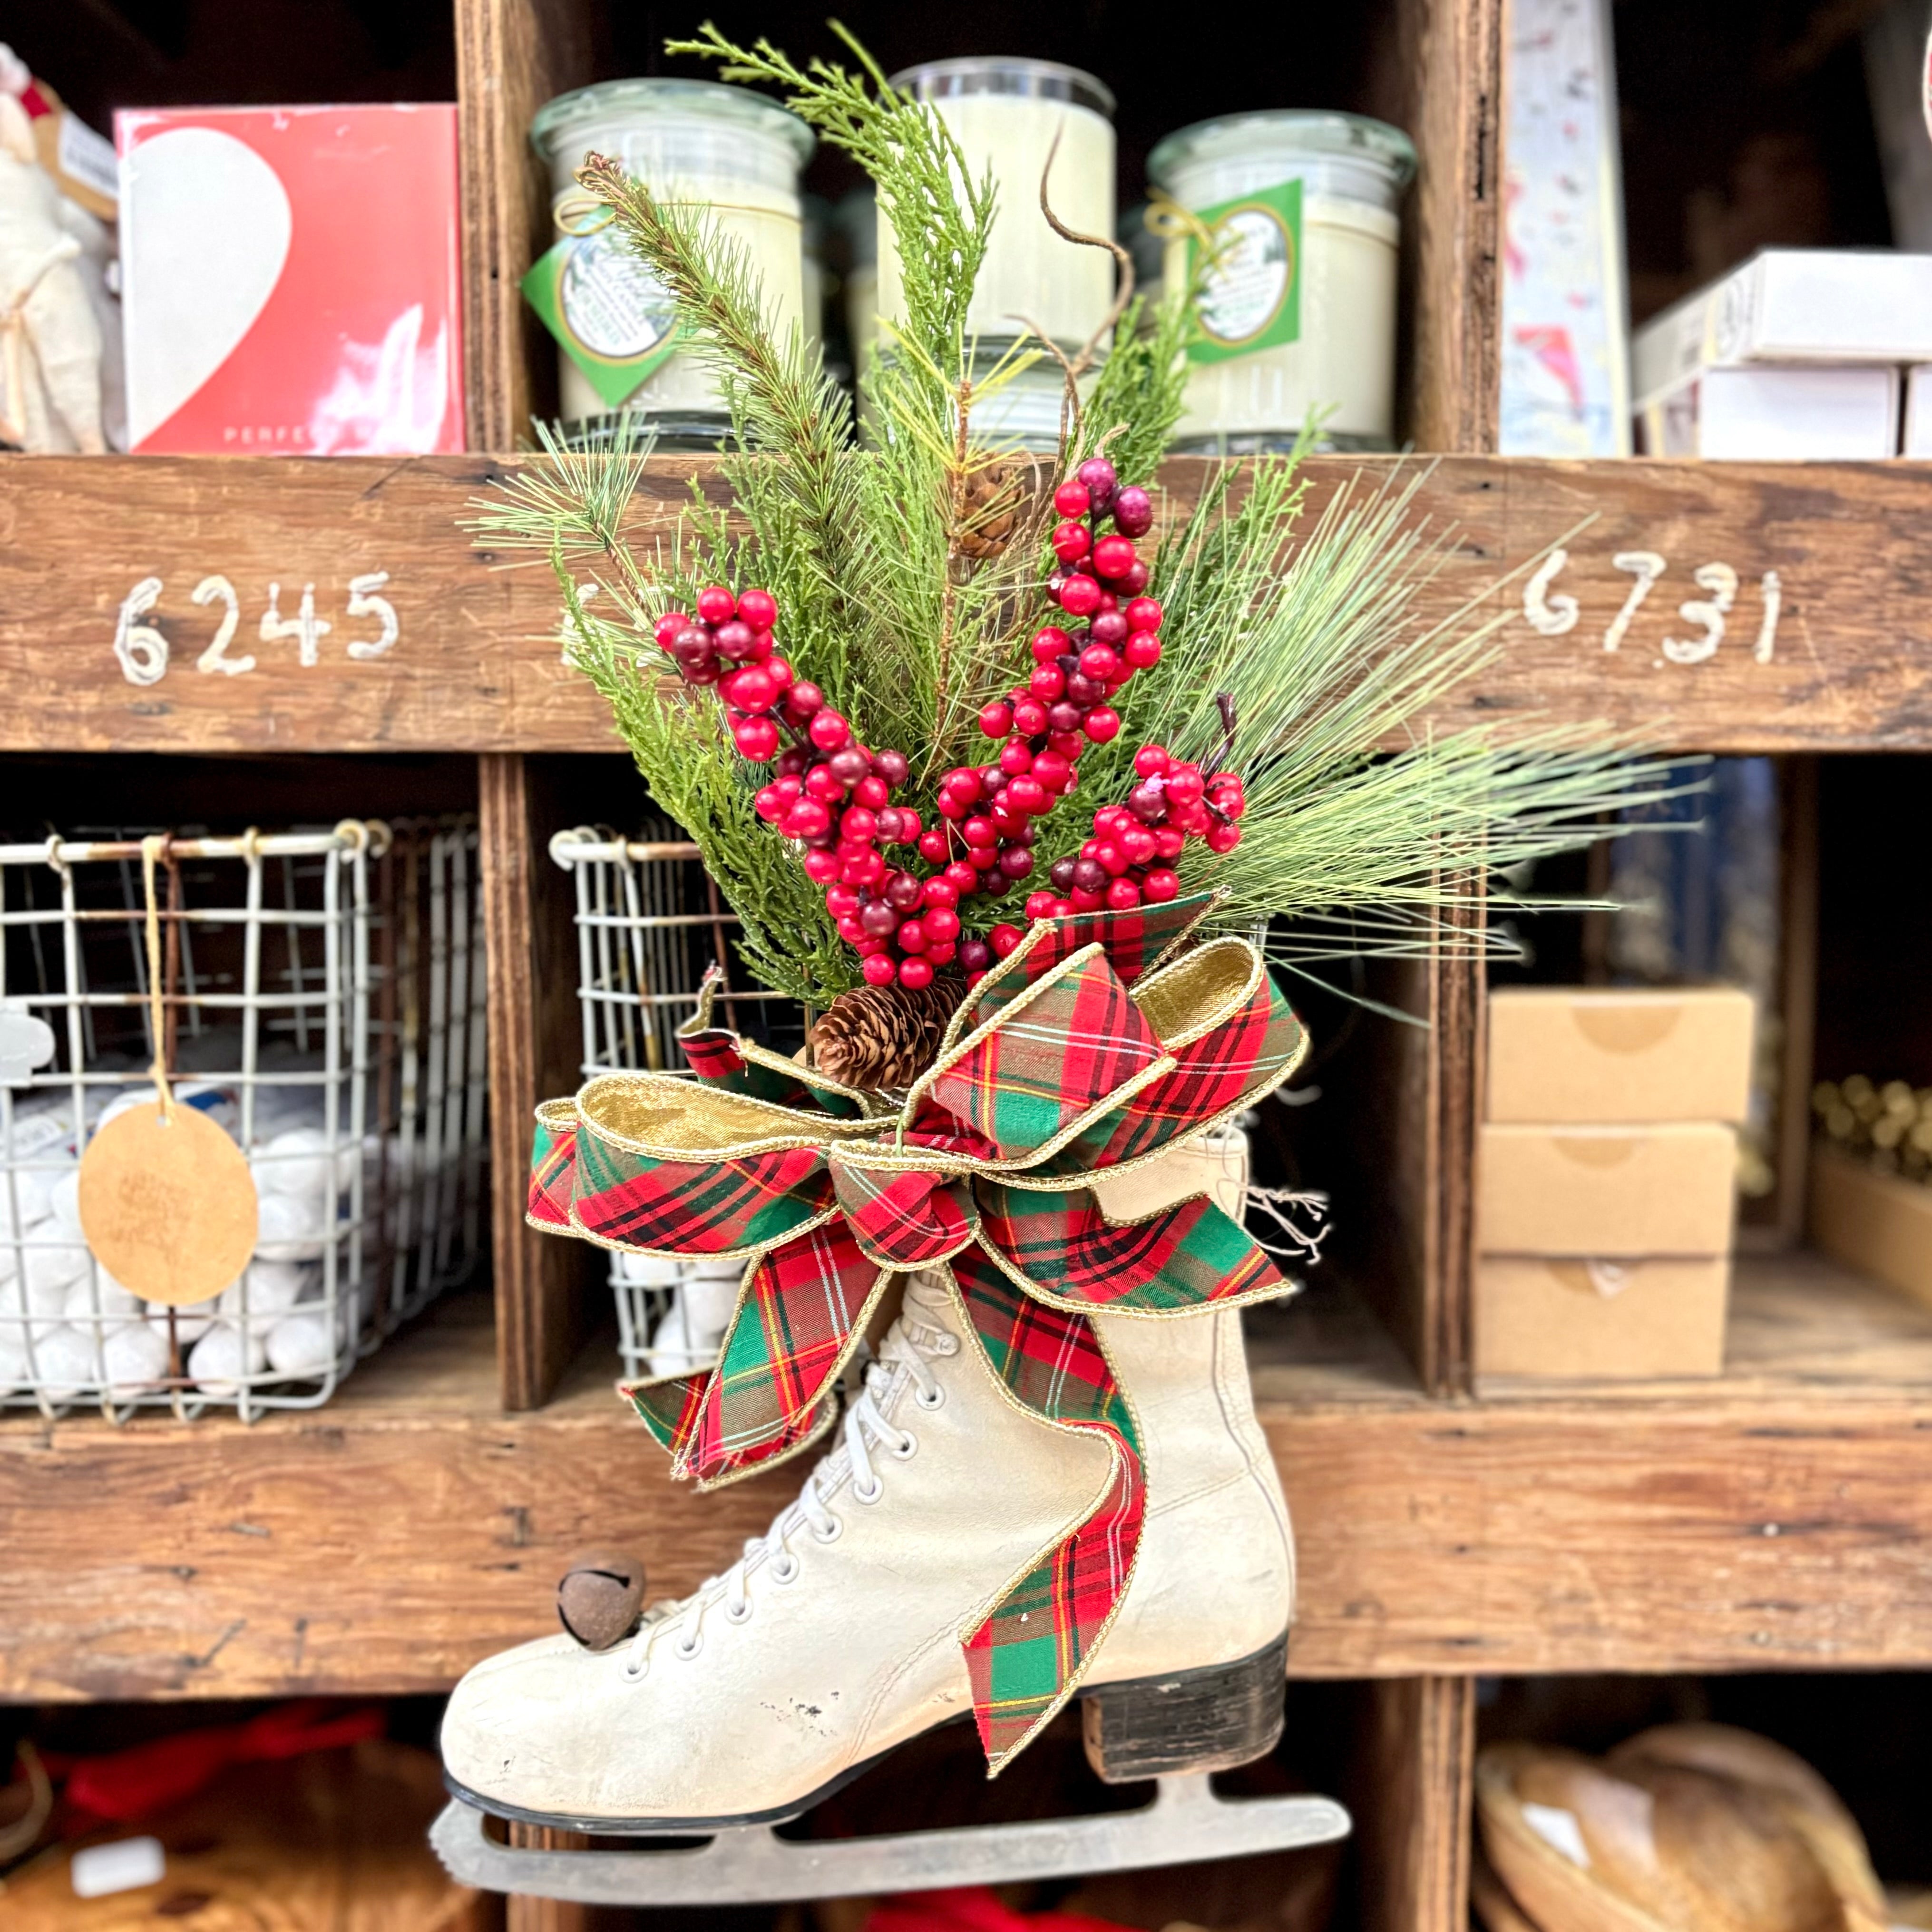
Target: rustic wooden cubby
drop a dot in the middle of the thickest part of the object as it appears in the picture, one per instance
(1774, 1518)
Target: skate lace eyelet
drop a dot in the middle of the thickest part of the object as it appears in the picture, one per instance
(635, 1668)
(737, 1614)
(871, 1495)
(687, 1647)
(835, 1528)
(936, 1400)
(785, 1568)
(907, 1448)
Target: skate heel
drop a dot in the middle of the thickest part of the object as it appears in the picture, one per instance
(1194, 1721)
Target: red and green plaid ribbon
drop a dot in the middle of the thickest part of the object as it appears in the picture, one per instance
(1101, 1041)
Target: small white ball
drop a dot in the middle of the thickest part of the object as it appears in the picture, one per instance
(117, 1304)
(289, 1228)
(222, 1357)
(302, 1344)
(708, 1305)
(192, 1322)
(63, 1364)
(297, 1162)
(135, 1357)
(51, 1270)
(33, 1192)
(64, 1201)
(273, 1288)
(646, 1270)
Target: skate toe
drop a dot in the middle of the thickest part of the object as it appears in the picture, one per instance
(523, 1729)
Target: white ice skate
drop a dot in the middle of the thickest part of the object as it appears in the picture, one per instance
(836, 1638)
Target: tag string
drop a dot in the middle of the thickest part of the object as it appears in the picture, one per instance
(151, 848)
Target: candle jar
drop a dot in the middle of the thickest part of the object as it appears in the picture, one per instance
(1005, 114)
(729, 154)
(1298, 313)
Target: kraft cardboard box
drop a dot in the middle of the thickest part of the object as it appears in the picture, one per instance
(1606, 1191)
(1591, 1321)
(1596, 1055)
(1877, 1223)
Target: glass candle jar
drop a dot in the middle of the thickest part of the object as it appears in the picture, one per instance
(730, 154)
(1299, 312)
(1005, 114)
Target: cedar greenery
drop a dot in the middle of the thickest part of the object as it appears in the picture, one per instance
(1349, 845)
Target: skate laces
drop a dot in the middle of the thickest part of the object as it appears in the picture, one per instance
(909, 1344)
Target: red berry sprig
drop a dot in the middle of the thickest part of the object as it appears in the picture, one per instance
(1046, 724)
(1129, 860)
(828, 791)
(833, 796)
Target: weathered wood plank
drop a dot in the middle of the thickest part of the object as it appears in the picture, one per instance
(475, 666)
(512, 56)
(1415, 1766)
(1774, 1518)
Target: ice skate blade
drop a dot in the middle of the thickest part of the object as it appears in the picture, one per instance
(748, 1864)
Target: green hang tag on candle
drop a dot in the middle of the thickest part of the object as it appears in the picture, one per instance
(1251, 296)
(616, 320)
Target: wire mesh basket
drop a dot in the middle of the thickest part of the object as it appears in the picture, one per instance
(323, 996)
(649, 921)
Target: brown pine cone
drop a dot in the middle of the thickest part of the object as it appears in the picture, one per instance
(875, 1037)
(992, 509)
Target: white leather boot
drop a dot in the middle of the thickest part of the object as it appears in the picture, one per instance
(837, 1636)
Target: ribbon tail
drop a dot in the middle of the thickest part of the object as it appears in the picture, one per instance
(801, 1313)
(1029, 1653)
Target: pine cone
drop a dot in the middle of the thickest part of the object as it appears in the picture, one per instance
(882, 1036)
(992, 510)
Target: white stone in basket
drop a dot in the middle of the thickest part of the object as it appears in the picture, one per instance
(135, 1357)
(647, 1271)
(302, 1344)
(296, 1161)
(273, 1288)
(291, 1228)
(222, 1356)
(64, 1201)
(117, 1304)
(63, 1364)
(50, 1272)
(708, 1302)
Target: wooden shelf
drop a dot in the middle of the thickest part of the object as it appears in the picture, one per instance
(476, 665)
(1775, 1517)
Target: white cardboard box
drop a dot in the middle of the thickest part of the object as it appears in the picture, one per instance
(1777, 412)
(1917, 440)
(1792, 305)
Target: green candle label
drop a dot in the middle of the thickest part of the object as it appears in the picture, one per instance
(1251, 297)
(616, 320)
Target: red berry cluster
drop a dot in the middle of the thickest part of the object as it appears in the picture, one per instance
(827, 791)
(1130, 857)
(833, 796)
(1047, 723)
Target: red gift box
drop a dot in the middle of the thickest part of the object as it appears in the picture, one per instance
(291, 281)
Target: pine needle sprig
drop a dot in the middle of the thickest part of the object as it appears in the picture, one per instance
(572, 504)
(925, 187)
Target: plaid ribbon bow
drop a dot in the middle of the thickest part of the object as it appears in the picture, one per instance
(1100, 1043)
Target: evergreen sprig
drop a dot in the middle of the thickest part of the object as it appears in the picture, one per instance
(1360, 820)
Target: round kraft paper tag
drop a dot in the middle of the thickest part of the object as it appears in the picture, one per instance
(167, 1207)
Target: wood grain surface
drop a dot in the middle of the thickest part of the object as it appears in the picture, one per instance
(476, 666)
(1778, 1517)
(512, 56)
(1419, 1750)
